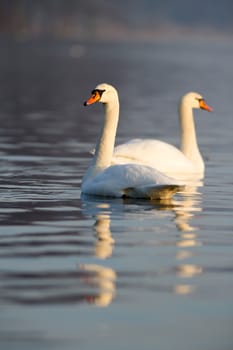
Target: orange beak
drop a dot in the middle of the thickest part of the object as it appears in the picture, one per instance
(203, 105)
(95, 97)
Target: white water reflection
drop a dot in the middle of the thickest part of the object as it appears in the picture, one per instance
(104, 278)
(191, 206)
(105, 242)
(101, 278)
(184, 209)
(118, 226)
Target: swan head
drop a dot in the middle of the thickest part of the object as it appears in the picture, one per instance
(103, 93)
(195, 100)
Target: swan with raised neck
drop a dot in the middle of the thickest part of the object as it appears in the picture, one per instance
(125, 180)
(163, 156)
(188, 139)
(108, 96)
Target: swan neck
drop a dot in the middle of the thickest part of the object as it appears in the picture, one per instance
(188, 141)
(106, 141)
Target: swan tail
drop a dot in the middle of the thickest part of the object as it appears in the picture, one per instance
(153, 192)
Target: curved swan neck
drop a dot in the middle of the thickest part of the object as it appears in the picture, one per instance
(106, 141)
(188, 141)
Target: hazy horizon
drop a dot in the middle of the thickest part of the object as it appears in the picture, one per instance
(88, 19)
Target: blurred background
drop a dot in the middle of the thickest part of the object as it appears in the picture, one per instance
(54, 51)
(109, 19)
(169, 273)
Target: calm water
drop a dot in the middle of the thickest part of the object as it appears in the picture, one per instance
(108, 274)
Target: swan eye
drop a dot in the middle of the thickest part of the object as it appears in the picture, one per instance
(93, 93)
(201, 101)
(98, 91)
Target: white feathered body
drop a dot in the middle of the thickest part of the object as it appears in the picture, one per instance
(157, 154)
(131, 180)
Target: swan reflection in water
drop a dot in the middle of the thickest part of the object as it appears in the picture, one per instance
(191, 206)
(103, 278)
(185, 208)
(95, 280)
(104, 243)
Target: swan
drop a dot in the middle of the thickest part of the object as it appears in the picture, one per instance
(163, 156)
(121, 180)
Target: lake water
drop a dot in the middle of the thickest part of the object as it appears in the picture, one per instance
(112, 274)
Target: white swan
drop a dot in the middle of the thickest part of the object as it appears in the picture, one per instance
(126, 180)
(161, 155)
